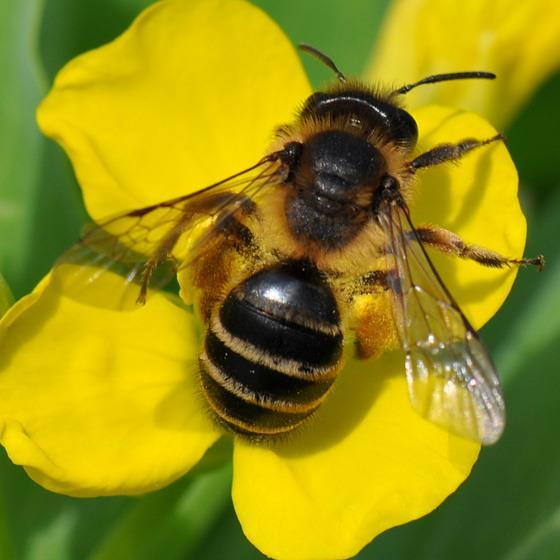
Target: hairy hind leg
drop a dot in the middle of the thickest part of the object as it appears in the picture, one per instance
(449, 242)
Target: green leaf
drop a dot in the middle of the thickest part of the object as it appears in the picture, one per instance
(344, 29)
(6, 536)
(533, 139)
(40, 525)
(171, 522)
(228, 542)
(6, 297)
(21, 87)
(538, 325)
(71, 28)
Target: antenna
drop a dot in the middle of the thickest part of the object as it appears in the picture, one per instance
(327, 61)
(445, 78)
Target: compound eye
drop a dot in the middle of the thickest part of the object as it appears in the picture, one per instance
(403, 128)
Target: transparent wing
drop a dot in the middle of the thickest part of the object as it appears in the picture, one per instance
(147, 246)
(451, 378)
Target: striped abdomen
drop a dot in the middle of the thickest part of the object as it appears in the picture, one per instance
(272, 350)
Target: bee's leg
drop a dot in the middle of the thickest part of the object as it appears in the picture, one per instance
(375, 280)
(451, 243)
(145, 278)
(369, 283)
(228, 238)
(450, 152)
(372, 320)
(374, 327)
(231, 226)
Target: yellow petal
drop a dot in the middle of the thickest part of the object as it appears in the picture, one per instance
(365, 463)
(97, 402)
(476, 199)
(516, 40)
(190, 94)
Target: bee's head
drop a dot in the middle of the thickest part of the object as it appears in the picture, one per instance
(376, 112)
(373, 113)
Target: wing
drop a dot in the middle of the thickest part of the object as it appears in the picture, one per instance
(451, 378)
(147, 246)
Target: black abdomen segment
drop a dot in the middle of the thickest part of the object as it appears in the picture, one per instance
(272, 350)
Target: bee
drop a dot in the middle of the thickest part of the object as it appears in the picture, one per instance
(279, 252)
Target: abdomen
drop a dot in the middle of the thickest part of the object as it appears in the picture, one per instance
(272, 350)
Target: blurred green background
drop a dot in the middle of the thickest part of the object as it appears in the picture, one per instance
(509, 509)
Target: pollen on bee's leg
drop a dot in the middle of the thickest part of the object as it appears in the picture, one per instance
(375, 328)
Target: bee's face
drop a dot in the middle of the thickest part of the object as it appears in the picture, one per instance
(331, 192)
(335, 168)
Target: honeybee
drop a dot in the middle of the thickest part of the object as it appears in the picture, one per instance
(278, 253)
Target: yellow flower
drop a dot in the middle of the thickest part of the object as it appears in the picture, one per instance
(518, 41)
(100, 402)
